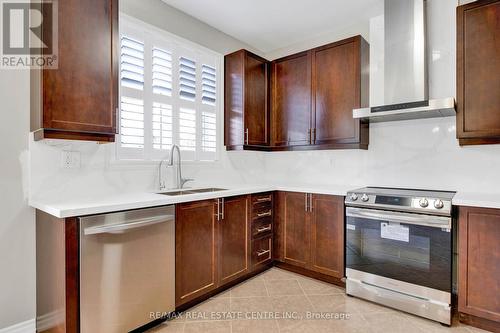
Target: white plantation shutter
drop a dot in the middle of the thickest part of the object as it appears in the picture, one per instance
(187, 79)
(162, 72)
(208, 90)
(169, 95)
(162, 126)
(132, 63)
(132, 123)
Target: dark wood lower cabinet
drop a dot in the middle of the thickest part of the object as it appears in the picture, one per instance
(196, 243)
(310, 232)
(479, 267)
(234, 240)
(212, 246)
(327, 235)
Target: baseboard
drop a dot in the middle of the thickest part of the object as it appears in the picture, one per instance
(28, 326)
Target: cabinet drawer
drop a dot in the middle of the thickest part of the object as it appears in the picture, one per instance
(262, 227)
(262, 251)
(262, 212)
(258, 199)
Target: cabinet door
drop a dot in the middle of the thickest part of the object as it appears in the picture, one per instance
(478, 72)
(256, 101)
(327, 235)
(233, 99)
(81, 95)
(336, 88)
(292, 229)
(291, 100)
(234, 238)
(196, 246)
(479, 262)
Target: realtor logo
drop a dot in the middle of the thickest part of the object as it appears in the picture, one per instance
(29, 34)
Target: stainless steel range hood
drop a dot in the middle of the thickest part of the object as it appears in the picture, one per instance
(406, 88)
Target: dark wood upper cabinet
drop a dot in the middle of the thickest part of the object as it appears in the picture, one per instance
(339, 85)
(479, 267)
(327, 235)
(246, 101)
(313, 94)
(478, 72)
(291, 100)
(196, 244)
(79, 99)
(234, 239)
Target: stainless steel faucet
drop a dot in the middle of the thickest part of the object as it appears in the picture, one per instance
(179, 180)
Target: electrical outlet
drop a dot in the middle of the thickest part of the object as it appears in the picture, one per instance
(70, 159)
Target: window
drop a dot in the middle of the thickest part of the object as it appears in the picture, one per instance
(169, 94)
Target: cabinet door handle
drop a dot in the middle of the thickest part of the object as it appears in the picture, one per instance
(314, 136)
(246, 136)
(218, 209)
(269, 213)
(310, 202)
(222, 208)
(263, 229)
(264, 199)
(307, 202)
(310, 136)
(262, 252)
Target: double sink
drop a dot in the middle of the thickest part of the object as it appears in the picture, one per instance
(190, 191)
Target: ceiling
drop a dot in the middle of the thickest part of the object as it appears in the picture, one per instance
(269, 25)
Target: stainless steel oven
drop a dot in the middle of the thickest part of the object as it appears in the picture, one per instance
(399, 249)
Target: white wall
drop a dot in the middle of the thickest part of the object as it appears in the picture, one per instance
(17, 227)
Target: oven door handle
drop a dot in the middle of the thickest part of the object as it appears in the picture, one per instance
(404, 218)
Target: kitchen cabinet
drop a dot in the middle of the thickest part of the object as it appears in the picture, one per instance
(339, 85)
(291, 100)
(246, 101)
(479, 267)
(310, 232)
(478, 73)
(262, 229)
(314, 93)
(212, 245)
(196, 250)
(327, 235)
(79, 99)
(234, 238)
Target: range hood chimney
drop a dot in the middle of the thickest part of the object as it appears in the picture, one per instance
(406, 88)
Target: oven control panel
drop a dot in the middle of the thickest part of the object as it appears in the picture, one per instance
(416, 201)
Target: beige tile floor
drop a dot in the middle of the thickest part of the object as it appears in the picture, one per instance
(287, 299)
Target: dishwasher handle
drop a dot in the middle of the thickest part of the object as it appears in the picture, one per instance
(132, 224)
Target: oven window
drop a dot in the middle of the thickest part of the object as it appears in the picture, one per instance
(411, 253)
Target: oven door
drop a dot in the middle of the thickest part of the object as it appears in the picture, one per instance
(412, 248)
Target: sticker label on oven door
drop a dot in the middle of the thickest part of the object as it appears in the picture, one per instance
(351, 227)
(395, 232)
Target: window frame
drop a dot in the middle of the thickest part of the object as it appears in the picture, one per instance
(154, 36)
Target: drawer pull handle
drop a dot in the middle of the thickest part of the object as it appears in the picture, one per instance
(268, 228)
(264, 199)
(269, 213)
(262, 252)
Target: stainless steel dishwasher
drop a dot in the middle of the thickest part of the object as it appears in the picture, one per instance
(127, 269)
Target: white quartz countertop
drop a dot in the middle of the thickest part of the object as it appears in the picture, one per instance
(485, 200)
(81, 205)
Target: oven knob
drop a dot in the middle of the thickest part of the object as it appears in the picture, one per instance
(365, 198)
(423, 202)
(438, 204)
(354, 197)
